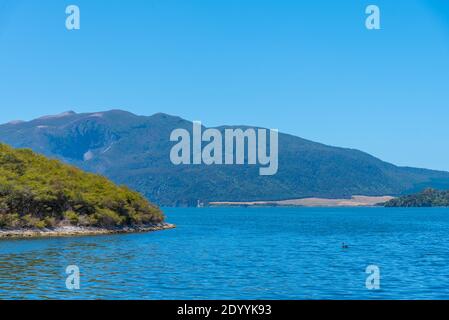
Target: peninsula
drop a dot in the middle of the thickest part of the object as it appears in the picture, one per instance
(427, 198)
(44, 197)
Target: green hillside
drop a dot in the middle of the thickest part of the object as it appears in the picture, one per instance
(36, 192)
(134, 150)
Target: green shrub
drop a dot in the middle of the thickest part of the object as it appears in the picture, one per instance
(50, 222)
(10, 220)
(34, 222)
(109, 218)
(72, 217)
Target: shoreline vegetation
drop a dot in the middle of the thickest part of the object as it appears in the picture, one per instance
(425, 199)
(44, 197)
(72, 231)
(355, 201)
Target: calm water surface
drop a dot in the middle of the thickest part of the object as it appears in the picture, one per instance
(244, 253)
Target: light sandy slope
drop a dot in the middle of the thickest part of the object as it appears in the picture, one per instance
(355, 201)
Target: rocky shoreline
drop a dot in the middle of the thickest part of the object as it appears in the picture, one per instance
(71, 231)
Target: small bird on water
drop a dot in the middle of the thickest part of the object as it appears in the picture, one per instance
(344, 245)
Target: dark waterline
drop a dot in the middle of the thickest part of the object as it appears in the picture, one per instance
(244, 253)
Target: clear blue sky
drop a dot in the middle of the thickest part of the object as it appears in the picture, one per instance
(312, 69)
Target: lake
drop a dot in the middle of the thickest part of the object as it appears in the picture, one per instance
(244, 253)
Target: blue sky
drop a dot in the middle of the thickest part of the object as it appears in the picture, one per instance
(312, 70)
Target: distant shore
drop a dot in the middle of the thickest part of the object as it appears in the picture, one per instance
(71, 231)
(355, 201)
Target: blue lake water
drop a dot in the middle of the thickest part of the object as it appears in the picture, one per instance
(244, 253)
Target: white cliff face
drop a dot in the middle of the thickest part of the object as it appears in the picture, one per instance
(108, 148)
(89, 155)
(61, 115)
(14, 122)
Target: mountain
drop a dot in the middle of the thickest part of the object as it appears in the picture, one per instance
(134, 150)
(426, 198)
(36, 192)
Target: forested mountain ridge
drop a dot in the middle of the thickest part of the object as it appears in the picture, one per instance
(134, 150)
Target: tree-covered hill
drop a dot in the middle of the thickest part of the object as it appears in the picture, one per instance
(427, 198)
(36, 192)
